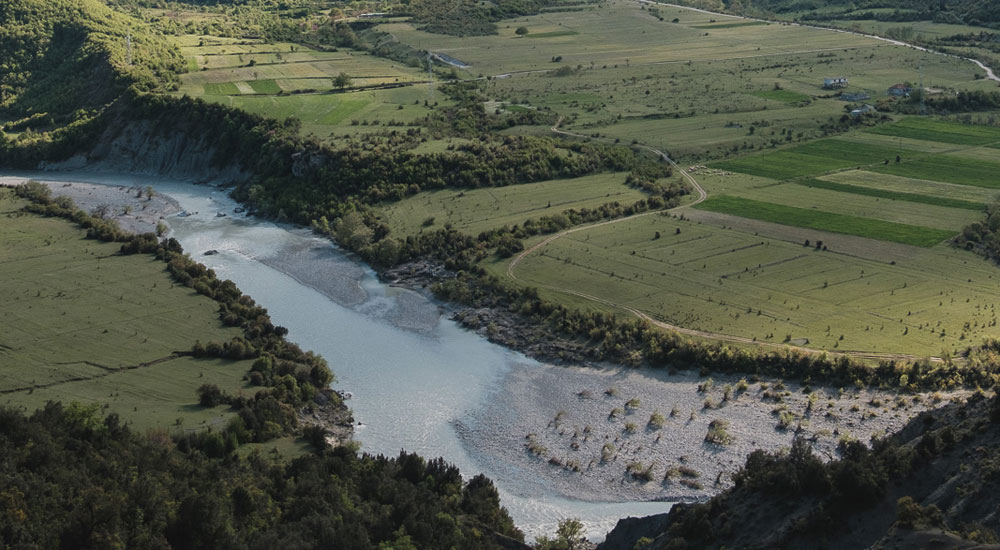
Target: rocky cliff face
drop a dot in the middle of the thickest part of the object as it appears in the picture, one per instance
(142, 148)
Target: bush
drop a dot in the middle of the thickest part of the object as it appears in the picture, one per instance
(717, 433)
(210, 395)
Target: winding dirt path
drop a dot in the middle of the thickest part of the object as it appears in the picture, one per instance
(718, 336)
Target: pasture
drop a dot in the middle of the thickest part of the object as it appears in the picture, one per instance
(82, 323)
(719, 279)
(476, 210)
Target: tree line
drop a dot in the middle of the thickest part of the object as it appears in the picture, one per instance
(75, 479)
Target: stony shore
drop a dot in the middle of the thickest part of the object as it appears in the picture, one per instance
(128, 205)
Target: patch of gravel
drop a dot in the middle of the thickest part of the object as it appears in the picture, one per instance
(133, 213)
(554, 426)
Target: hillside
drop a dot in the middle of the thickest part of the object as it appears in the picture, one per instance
(64, 57)
(934, 482)
(93, 483)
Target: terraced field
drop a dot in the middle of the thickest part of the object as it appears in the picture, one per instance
(81, 323)
(289, 80)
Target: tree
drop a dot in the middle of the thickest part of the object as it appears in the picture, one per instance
(521, 31)
(150, 193)
(569, 536)
(342, 81)
(101, 210)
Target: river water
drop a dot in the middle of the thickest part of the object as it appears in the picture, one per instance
(413, 373)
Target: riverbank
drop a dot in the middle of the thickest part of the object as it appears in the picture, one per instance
(129, 205)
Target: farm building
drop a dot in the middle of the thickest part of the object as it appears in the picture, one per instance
(900, 90)
(834, 83)
(860, 96)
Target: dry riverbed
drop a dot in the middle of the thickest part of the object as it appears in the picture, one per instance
(614, 434)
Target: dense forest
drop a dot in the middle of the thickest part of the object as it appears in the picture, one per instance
(59, 59)
(74, 479)
(935, 480)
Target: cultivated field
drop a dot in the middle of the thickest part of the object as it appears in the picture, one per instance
(883, 200)
(81, 323)
(772, 288)
(283, 80)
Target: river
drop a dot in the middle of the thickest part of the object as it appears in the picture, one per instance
(415, 376)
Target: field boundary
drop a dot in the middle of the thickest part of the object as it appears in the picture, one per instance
(717, 336)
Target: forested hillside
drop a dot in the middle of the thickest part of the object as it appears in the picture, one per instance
(73, 479)
(60, 58)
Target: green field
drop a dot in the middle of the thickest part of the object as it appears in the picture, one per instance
(826, 221)
(731, 25)
(892, 195)
(812, 158)
(786, 96)
(949, 169)
(476, 210)
(940, 131)
(552, 34)
(741, 105)
(81, 323)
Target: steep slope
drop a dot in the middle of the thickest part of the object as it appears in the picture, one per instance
(61, 56)
(935, 483)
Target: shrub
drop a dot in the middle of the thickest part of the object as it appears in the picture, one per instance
(717, 433)
(656, 420)
(210, 395)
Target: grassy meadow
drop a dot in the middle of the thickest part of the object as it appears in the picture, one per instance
(82, 323)
(473, 211)
(718, 278)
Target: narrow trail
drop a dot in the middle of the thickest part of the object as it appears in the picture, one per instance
(717, 336)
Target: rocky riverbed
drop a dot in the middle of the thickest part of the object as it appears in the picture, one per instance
(614, 433)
